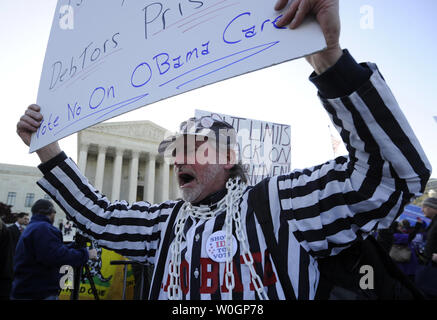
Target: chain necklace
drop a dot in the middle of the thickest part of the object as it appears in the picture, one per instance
(230, 203)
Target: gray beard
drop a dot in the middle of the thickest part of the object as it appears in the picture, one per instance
(192, 194)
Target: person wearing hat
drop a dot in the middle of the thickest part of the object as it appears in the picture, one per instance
(210, 244)
(40, 254)
(429, 208)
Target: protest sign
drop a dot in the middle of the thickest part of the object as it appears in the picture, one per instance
(105, 58)
(412, 214)
(108, 279)
(264, 148)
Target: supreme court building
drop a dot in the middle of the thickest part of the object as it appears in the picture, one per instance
(120, 159)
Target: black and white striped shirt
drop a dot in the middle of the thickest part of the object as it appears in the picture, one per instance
(316, 212)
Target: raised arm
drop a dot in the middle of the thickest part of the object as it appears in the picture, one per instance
(330, 206)
(133, 230)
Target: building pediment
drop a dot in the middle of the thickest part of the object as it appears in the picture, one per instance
(143, 130)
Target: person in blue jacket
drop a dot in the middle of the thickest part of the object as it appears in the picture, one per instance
(40, 254)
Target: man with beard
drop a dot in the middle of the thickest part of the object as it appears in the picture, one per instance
(211, 245)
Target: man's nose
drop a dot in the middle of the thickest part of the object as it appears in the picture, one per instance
(180, 158)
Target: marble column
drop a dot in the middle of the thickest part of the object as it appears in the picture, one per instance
(165, 167)
(149, 179)
(116, 174)
(83, 156)
(175, 192)
(133, 177)
(100, 171)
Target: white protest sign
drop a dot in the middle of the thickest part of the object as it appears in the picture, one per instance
(264, 148)
(105, 58)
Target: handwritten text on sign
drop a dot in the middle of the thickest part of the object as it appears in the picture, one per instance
(264, 148)
(105, 58)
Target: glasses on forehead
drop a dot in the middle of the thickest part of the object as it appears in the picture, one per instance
(202, 122)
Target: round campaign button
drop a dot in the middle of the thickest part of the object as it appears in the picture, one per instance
(216, 246)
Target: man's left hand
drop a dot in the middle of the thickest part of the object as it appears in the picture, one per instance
(327, 15)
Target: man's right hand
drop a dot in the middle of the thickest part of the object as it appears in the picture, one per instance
(29, 124)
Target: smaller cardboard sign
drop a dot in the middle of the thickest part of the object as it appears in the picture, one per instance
(264, 148)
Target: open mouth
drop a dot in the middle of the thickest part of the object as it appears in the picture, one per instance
(185, 179)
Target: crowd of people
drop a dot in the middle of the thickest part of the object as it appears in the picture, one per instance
(9, 236)
(32, 254)
(410, 247)
(413, 247)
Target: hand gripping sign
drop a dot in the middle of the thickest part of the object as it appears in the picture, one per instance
(105, 58)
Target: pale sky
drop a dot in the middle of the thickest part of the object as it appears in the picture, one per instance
(400, 40)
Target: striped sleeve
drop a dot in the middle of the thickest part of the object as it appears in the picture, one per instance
(328, 207)
(132, 230)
